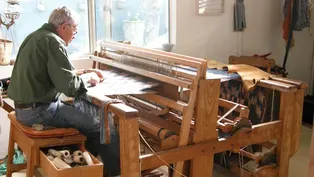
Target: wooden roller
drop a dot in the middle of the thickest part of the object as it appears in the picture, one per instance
(156, 131)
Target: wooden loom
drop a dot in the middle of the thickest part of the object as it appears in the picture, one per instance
(184, 127)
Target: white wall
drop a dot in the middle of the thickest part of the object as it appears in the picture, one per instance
(213, 36)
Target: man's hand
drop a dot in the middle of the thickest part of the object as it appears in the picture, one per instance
(98, 72)
(86, 71)
(91, 78)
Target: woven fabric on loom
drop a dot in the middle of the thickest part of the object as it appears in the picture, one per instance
(262, 102)
(118, 82)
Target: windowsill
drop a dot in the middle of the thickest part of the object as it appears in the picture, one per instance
(81, 56)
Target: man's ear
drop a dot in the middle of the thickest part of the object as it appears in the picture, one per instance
(63, 26)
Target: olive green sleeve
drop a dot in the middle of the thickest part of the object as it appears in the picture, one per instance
(61, 72)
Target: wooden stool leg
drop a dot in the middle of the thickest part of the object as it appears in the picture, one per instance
(30, 163)
(10, 153)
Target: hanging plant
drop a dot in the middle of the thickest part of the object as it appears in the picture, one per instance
(13, 2)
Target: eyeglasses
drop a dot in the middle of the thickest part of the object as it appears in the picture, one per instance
(74, 29)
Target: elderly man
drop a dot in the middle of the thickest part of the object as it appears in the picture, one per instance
(42, 71)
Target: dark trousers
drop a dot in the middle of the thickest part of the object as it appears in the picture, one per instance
(63, 115)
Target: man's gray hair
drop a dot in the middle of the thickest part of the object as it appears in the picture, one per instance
(63, 15)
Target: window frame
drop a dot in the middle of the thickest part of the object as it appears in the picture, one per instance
(92, 28)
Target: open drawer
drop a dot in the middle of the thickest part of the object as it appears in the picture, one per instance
(51, 170)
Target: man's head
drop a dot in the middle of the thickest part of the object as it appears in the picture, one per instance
(66, 23)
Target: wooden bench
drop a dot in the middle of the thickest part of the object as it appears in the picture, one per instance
(31, 141)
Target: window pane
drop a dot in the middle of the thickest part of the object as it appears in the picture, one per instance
(34, 13)
(143, 22)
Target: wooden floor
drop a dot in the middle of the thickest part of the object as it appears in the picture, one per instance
(298, 163)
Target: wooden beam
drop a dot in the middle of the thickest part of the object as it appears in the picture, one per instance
(188, 114)
(276, 85)
(121, 110)
(143, 72)
(260, 133)
(129, 147)
(177, 105)
(139, 51)
(284, 142)
(297, 121)
(299, 84)
(205, 125)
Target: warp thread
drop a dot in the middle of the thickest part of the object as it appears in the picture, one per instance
(84, 104)
(104, 121)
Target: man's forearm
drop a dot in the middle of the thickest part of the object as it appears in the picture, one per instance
(83, 71)
(80, 72)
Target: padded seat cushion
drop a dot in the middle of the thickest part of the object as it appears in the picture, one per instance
(57, 132)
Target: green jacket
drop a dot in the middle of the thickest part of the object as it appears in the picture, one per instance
(42, 69)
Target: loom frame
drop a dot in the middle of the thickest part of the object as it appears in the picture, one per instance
(204, 95)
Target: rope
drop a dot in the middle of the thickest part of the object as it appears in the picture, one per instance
(272, 106)
(142, 137)
(231, 110)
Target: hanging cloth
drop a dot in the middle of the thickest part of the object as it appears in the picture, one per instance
(297, 17)
(239, 16)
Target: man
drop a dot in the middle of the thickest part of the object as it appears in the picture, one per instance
(42, 71)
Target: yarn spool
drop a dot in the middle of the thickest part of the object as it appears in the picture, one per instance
(88, 159)
(60, 164)
(65, 153)
(68, 160)
(55, 153)
(78, 159)
(77, 153)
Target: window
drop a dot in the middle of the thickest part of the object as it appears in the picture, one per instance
(34, 13)
(144, 23)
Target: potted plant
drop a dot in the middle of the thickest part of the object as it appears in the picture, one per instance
(133, 29)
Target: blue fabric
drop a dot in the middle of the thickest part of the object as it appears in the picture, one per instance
(18, 158)
(215, 74)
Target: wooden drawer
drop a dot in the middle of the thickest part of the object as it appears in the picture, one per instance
(51, 170)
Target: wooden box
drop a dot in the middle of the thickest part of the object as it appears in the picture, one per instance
(50, 169)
